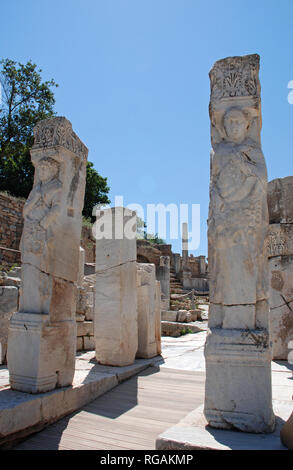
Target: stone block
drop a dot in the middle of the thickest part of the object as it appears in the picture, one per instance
(8, 305)
(234, 358)
(89, 343)
(79, 344)
(115, 321)
(85, 328)
(281, 305)
(146, 310)
(280, 240)
(280, 195)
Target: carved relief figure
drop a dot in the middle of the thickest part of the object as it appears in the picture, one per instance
(42, 205)
(237, 211)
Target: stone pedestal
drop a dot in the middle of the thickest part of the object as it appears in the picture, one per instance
(163, 275)
(238, 372)
(115, 319)
(42, 336)
(280, 250)
(146, 310)
(238, 391)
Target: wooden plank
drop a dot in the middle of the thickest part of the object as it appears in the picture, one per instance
(128, 417)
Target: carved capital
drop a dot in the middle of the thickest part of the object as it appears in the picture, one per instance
(235, 77)
(57, 131)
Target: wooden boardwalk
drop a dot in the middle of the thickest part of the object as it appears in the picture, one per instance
(130, 416)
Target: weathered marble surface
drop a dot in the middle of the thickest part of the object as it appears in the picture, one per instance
(42, 337)
(281, 303)
(8, 305)
(286, 433)
(280, 193)
(163, 275)
(158, 317)
(115, 319)
(280, 252)
(237, 350)
(146, 310)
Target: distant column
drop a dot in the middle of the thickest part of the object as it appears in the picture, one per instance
(184, 246)
(163, 275)
(158, 317)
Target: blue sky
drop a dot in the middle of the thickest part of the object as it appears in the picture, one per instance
(133, 80)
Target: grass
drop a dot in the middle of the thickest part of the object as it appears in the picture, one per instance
(185, 331)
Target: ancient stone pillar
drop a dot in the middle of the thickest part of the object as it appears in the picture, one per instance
(42, 337)
(8, 305)
(238, 355)
(146, 310)
(115, 319)
(81, 266)
(158, 317)
(176, 262)
(184, 246)
(280, 249)
(163, 275)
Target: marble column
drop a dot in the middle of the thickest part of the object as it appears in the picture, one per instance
(158, 317)
(238, 392)
(42, 336)
(115, 318)
(184, 246)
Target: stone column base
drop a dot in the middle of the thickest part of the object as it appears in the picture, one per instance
(238, 380)
(41, 354)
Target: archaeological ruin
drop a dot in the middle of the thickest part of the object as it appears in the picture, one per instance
(91, 315)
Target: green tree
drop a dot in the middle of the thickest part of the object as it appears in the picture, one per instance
(25, 100)
(96, 191)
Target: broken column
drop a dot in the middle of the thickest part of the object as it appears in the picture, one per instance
(81, 266)
(202, 265)
(146, 310)
(115, 320)
(163, 275)
(158, 317)
(42, 336)
(280, 250)
(238, 391)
